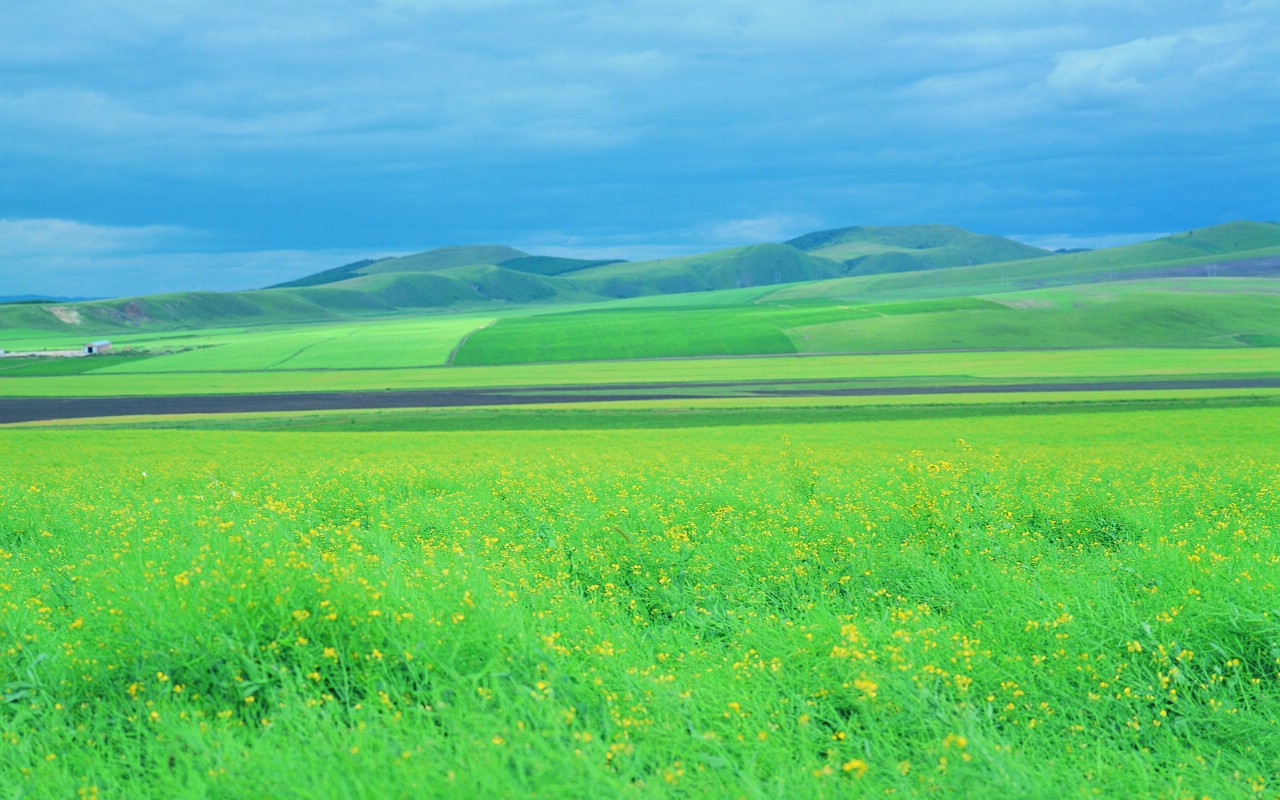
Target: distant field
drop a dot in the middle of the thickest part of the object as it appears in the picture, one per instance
(389, 344)
(659, 332)
(693, 413)
(1222, 312)
(1190, 313)
(899, 368)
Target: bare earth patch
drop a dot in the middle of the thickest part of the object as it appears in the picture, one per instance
(70, 316)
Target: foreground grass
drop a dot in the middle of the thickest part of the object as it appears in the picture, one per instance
(1057, 605)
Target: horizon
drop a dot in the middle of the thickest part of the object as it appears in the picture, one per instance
(228, 146)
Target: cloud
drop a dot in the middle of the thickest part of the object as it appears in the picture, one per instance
(40, 238)
(71, 258)
(1119, 71)
(1071, 241)
(323, 126)
(773, 228)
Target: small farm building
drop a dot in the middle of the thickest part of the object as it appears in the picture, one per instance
(100, 346)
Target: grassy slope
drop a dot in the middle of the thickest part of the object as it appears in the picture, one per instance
(1234, 241)
(1186, 313)
(669, 332)
(1218, 312)
(451, 278)
(364, 296)
(870, 250)
(444, 258)
(755, 265)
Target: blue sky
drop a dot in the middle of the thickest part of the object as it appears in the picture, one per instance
(156, 145)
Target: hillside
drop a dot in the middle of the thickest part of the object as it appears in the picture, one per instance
(860, 265)
(873, 250)
(1241, 249)
(734, 268)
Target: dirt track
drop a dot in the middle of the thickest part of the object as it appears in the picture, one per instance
(31, 409)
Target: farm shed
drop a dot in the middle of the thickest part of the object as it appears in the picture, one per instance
(100, 346)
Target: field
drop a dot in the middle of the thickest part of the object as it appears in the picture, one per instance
(1063, 604)
(987, 528)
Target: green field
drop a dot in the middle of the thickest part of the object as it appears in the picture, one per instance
(1001, 605)
(766, 589)
(899, 369)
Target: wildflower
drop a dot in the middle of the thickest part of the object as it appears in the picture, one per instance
(857, 766)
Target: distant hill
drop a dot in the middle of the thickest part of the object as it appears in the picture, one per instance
(1239, 248)
(737, 267)
(430, 261)
(39, 298)
(860, 264)
(550, 265)
(908, 248)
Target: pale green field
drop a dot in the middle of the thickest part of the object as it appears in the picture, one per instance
(389, 344)
(897, 368)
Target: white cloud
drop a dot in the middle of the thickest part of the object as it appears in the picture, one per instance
(1069, 241)
(769, 228)
(1112, 72)
(42, 238)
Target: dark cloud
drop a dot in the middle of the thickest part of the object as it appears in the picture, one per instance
(345, 126)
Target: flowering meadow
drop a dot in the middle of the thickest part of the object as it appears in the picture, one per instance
(1080, 604)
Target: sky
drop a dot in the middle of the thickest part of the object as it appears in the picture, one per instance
(166, 145)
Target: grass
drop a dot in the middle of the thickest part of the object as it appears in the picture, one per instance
(1189, 313)
(1237, 241)
(909, 368)
(695, 413)
(866, 250)
(389, 344)
(733, 268)
(1064, 604)
(664, 332)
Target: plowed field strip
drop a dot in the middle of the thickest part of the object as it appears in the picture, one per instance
(32, 409)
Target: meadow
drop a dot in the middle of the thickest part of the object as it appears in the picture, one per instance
(1064, 604)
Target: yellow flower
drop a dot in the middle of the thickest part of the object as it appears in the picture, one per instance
(857, 766)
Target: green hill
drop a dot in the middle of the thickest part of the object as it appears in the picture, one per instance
(837, 275)
(550, 265)
(873, 250)
(445, 258)
(1224, 312)
(430, 261)
(1183, 254)
(734, 268)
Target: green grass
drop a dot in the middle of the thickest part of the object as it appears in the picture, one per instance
(43, 367)
(988, 606)
(389, 344)
(910, 368)
(1222, 312)
(738, 267)
(869, 250)
(601, 335)
(696, 413)
(669, 332)
(1236, 241)
(1186, 313)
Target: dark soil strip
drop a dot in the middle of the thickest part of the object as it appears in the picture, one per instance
(31, 409)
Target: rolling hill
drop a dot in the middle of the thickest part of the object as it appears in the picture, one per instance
(859, 289)
(871, 250)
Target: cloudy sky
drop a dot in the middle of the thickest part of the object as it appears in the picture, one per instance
(154, 145)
